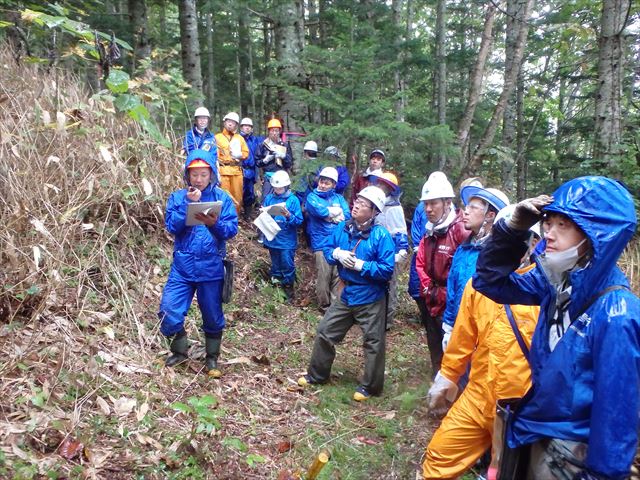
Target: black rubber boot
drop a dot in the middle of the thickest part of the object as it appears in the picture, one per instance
(212, 347)
(179, 346)
(289, 293)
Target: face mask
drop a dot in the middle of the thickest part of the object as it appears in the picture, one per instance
(560, 262)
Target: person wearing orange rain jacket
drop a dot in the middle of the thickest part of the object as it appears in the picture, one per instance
(483, 337)
(232, 150)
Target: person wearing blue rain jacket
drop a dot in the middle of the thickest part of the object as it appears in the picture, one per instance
(481, 207)
(249, 167)
(325, 210)
(197, 265)
(282, 248)
(417, 232)
(199, 137)
(364, 253)
(585, 354)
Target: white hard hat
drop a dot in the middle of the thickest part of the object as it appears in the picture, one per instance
(375, 195)
(201, 112)
(311, 146)
(330, 173)
(507, 213)
(280, 179)
(232, 116)
(493, 196)
(246, 121)
(437, 186)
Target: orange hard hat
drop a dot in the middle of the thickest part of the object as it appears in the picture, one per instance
(391, 178)
(274, 123)
(198, 163)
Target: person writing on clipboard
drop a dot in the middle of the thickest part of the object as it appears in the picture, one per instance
(197, 265)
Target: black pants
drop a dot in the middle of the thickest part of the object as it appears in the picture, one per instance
(433, 327)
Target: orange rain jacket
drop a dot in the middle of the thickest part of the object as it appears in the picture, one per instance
(226, 164)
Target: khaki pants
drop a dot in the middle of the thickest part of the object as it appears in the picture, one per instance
(327, 280)
(332, 329)
(555, 459)
(393, 295)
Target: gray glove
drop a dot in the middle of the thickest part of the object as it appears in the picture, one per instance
(528, 212)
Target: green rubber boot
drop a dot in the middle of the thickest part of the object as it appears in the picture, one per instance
(212, 347)
(179, 346)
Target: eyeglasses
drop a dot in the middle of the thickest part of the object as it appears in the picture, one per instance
(474, 206)
(362, 203)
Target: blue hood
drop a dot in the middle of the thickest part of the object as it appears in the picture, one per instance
(207, 157)
(604, 211)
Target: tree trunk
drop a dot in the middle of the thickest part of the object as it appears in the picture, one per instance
(475, 85)
(513, 18)
(396, 8)
(521, 162)
(138, 24)
(441, 76)
(162, 21)
(190, 44)
(243, 61)
(608, 115)
(211, 83)
(266, 49)
(289, 33)
(314, 22)
(507, 90)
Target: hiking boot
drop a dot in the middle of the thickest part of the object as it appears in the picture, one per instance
(179, 347)
(361, 394)
(212, 347)
(289, 293)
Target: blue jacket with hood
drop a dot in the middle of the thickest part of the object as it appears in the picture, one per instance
(194, 140)
(463, 266)
(318, 228)
(376, 248)
(249, 167)
(287, 237)
(588, 388)
(417, 232)
(198, 250)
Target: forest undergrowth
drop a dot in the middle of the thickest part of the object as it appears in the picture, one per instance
(83, 391)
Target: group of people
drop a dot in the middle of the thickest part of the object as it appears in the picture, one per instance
(532, 330)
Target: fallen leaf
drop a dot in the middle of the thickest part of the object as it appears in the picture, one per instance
(146, 187)
(37, 255)
(245, 360)
(284, 446)
(389, 415)
(261, 359)
(286, 475)
(142, 411)
(97, 458)
(123, 406)
(106, 155)
(361, 439)
(70, 448)
(108, 331)
(103, 405)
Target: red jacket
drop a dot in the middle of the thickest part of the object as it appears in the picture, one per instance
(433, 261)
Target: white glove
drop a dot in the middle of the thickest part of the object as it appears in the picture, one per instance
(281, 155)
(268, 159)
(447, 329)
(235, 148)
(401, 256)
(358, 265)
(345, 257)
(441, 395)
(334, 211)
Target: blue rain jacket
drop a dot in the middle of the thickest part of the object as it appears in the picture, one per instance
(194, 140)
(287, 237)
(418, 225)
(588, 388)
(376, 248)
(319, 229)
(463, 266)
(249, 167)
(198, 250)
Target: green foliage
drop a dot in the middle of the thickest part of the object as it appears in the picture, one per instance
(202, 413)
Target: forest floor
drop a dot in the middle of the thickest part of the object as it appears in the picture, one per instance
(81, 399)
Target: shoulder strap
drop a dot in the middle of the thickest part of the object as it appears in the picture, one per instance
(516, 332)
(595, 297)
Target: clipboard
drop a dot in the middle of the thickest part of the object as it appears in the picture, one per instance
(201, 207)
(276, 209)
